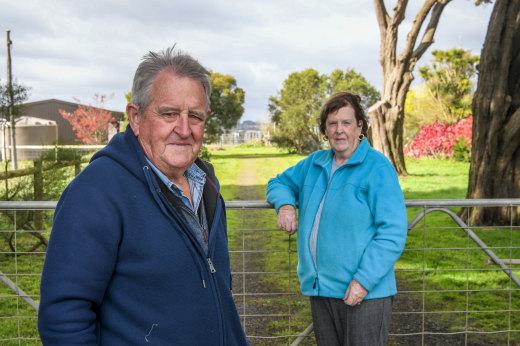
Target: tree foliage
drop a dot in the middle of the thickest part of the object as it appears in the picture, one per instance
(20, 94)
(355, 83)
(226, 104)
(125, 123)
(12, 98)
(420, 109)
(450, 82)
(294, 111)
(90, 123)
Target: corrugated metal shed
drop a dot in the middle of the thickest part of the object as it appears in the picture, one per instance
(49, 109)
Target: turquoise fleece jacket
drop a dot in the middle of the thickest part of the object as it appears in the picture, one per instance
(362, 231)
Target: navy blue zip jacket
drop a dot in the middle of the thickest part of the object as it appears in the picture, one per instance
(122, 268)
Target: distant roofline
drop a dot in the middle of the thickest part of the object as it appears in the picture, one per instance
(63, 102)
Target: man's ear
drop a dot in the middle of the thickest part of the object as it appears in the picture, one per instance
(132, 111)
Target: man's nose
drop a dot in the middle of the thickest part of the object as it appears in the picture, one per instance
(182, 126)
(339, 128)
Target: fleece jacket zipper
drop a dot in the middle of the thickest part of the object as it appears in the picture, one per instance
(205, 234)
(195, 244)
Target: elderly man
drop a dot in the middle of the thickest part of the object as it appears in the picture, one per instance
(138, 251)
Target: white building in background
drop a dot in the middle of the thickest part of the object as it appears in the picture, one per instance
(246, 132)
(252, 135)
(30, 132)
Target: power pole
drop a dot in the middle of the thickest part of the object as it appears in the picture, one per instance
(11, 102)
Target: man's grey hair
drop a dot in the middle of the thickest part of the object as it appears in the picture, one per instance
(178, 63)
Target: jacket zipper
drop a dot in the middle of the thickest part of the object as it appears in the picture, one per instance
(206, 238)
(201, 224)
(316, 261)
(210, 263)
(212, 267)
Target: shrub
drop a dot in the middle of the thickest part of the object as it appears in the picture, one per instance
(204, 153)
(440, 139)
(462, 150)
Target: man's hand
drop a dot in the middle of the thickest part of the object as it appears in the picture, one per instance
(355, 293)
(287, 218)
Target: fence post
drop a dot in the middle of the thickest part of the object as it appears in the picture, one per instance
(77, 167)
(38, 193)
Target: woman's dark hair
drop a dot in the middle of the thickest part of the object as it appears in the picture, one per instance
(340, 100)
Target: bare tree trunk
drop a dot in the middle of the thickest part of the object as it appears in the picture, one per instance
(387, 133)
(495, 154)
(387, 116)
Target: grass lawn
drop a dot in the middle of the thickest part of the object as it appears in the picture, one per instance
(439, 261)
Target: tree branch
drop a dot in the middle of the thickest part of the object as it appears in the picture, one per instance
(416, 28)
(427, 39)
(399, 12)
(382, 16)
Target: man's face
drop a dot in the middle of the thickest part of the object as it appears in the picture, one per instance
(171, 128)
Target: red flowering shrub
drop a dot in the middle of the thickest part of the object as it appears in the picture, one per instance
(439, 139)
(88, 122)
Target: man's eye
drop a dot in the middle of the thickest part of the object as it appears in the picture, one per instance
(196, 117)
(169, 115)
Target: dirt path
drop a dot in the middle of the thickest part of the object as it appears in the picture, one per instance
(248, 189)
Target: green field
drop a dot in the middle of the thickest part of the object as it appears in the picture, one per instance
(438, 256)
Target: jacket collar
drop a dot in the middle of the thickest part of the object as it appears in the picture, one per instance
(357, 157)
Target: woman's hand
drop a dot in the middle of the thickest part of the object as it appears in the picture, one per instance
(287, 218)
(355, 293)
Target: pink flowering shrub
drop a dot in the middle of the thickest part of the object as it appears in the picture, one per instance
(439, 139)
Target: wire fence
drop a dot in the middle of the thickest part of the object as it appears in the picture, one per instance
(458, 283)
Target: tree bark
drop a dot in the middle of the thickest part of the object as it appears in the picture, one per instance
(387, 116)
(495, 154)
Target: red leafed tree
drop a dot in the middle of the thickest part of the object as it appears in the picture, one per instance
(90, 123)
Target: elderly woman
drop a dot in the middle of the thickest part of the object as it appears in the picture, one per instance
(352, 228)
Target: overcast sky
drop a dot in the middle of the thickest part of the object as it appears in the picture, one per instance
(64, 48)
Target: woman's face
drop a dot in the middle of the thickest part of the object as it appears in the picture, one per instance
(343, 132)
